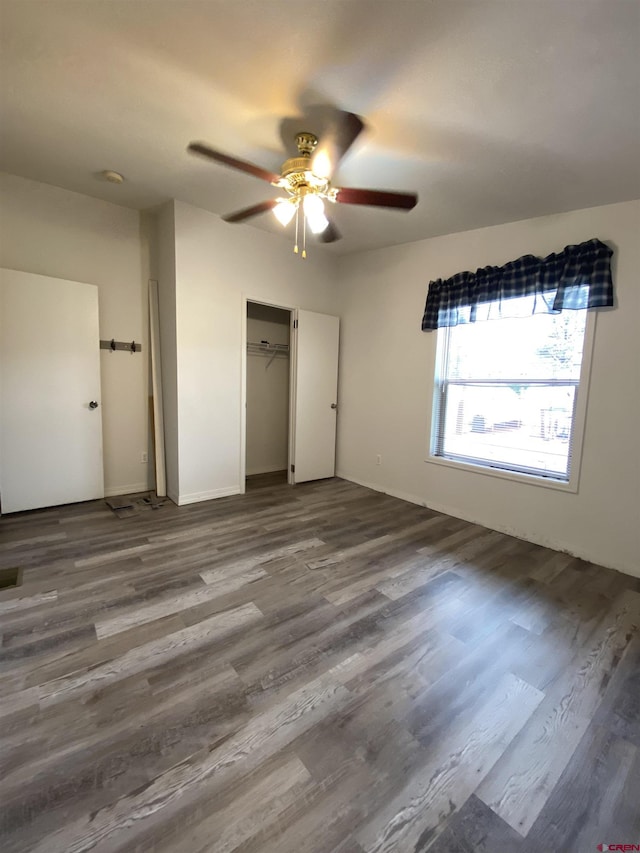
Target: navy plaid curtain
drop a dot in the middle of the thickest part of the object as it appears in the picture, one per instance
(578, 277)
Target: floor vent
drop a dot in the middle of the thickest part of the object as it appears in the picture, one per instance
(10, 578)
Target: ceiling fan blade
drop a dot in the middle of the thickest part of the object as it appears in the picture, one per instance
(343, 131)
(330, 234)
(248, 212)
(377, 198)
(250, 168)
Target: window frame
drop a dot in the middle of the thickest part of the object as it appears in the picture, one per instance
(578, 421)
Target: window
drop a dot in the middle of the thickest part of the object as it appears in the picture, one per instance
(506, 393)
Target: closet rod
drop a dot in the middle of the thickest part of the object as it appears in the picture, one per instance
(265, 346)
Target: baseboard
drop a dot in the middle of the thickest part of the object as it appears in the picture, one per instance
(472, 518)
(544, 541)
(376, 487)
(130, 489)
(454, 512)
(196, 497)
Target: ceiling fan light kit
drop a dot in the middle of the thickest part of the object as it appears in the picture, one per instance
(307, 180)
(306, 189)
(314, 213)
(284, 210)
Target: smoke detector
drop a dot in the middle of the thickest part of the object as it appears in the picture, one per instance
(111, 176)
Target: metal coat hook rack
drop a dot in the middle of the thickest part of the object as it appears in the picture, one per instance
(114, 345)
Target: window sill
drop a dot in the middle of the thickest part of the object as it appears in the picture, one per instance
(514, 476)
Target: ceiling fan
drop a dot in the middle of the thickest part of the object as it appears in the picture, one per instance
(306, 178)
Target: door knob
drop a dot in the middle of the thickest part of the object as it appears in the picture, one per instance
(93, 404)
(334, 405)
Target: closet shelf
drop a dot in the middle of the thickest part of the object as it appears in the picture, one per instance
(258, 347)
(265, 348)
(265, 345)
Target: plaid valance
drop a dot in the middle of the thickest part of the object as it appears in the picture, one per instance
(578, 277)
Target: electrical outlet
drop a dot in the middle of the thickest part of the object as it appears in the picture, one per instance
(378, 459)
(144, 457)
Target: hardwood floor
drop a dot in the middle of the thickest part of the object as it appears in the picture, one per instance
(322, 669)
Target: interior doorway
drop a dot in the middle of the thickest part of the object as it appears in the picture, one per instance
(268, 377)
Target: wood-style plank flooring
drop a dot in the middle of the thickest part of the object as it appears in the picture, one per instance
(318, 669)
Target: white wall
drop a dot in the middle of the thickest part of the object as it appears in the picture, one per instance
(386, 386)
(54, 232)
(267, 398)
(216, 265)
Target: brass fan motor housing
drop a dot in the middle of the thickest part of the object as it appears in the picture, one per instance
(296, 172)
(306, 143)
(294, 168)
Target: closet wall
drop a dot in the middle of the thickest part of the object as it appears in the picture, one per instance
(267, 390)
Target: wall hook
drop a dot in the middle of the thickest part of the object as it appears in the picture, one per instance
(114, 345)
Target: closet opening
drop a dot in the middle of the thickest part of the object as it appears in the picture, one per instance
(267, 395)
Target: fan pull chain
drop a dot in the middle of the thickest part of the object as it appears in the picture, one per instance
(295, 248)
(304, 235)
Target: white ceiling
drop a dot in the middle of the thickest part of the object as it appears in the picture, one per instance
(492, 110)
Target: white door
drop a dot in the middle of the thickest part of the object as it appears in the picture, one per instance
(315, 397)
(50, 435)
